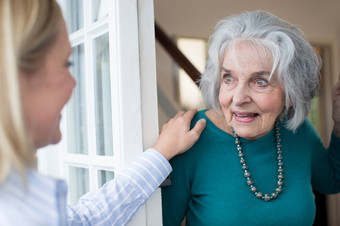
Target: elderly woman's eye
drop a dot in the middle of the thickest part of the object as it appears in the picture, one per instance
(261, 82)
(227, 78)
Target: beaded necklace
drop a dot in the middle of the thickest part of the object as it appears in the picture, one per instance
(250, 182)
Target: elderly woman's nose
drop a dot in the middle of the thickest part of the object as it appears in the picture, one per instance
(241, 94)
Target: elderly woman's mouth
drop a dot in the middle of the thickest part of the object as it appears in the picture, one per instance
(245, 116)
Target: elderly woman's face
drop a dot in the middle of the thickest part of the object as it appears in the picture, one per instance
(250, 102)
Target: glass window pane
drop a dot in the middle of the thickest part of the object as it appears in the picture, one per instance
(76, 114)
(102, 91)
(79, 183)
(74, 15)
(104, 176)
(100, 9)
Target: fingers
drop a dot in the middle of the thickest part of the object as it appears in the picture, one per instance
(176, 136)
(336, 90)
(186, 114)
(179, 114)
(198, 128)
(190, 114)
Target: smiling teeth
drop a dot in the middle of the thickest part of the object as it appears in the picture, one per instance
(250, 115)
(242, 115)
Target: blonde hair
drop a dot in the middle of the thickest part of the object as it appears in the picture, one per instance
(28, 29)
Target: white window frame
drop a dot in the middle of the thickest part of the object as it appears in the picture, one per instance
(134, 90)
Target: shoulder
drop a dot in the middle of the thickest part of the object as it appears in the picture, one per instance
(305, 134)
(211, 139)
(199, 115)
(307, 129)
(37, 190)
(181, 159)
(4, 220)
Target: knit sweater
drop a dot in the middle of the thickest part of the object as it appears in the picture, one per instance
(209, 188)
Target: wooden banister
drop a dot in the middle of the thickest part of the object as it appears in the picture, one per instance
(176, 54)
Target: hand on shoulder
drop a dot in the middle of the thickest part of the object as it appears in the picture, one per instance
(176, 136)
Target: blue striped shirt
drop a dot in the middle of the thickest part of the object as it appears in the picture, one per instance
(42, 201)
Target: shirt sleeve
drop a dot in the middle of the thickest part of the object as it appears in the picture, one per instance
(119, 200)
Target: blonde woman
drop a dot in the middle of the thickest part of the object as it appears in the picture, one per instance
(35, 85)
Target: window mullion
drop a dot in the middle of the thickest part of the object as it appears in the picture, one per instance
(89, 73)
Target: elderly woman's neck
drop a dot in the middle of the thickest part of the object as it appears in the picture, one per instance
(218, 120)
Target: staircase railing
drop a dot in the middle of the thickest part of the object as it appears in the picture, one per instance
(176, 54)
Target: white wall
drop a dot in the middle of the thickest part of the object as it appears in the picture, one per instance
(319, 19)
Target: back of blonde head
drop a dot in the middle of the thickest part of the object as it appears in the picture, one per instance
(28, 29)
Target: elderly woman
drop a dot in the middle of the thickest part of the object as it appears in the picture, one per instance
(258, 159)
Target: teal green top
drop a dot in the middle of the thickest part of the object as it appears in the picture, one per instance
(208, 186)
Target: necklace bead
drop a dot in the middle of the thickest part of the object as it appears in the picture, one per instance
(247, 175)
